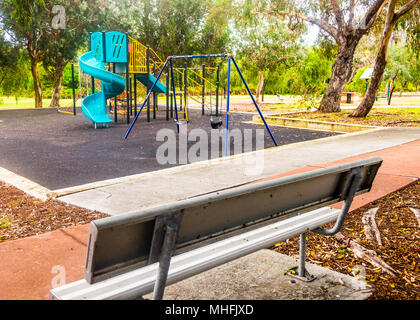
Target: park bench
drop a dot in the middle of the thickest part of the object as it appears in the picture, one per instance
(137, 253)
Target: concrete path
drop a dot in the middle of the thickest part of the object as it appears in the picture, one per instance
(32, 266)
(132, 193)
(265, 282)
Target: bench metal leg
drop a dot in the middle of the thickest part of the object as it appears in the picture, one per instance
(303, 274)
(348, 195)
(165, 261)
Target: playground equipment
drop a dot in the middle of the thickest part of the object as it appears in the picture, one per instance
(93, 63)
(169, 64)
(113, 54)
(123, 55)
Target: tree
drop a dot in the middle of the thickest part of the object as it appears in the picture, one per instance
(399, 68)
(13, 69)
(174, 27)
(392, 18)
(264, 43)
(23, 21)
(340, 23)
(8, 57)
(60, 45)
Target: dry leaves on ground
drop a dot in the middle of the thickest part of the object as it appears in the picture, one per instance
(400, 249)
(22, 215)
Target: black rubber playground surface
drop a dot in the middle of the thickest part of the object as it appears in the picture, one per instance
(58, 150)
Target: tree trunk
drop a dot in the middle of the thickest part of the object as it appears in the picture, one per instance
(57, 81)
(260, 85)
(369, 99)
(37, 83)
(403, 88)
(341, 71)
(380, 63)
(391, 93)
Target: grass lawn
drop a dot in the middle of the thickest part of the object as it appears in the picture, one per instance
(387, 117)
(242, 103)
(28, 103)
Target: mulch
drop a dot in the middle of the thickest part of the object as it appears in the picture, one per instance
(400, 234)
(22, 215)
(375, 118)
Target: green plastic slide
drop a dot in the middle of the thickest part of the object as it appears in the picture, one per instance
(94, 105)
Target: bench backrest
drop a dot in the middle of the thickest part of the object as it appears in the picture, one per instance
(122, 243)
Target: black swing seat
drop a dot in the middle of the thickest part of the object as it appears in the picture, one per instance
(215, 124)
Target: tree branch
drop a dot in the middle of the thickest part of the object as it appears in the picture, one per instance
(338, 13)
(373, 12)
(404, 9)
(351, 12)
(321, 23)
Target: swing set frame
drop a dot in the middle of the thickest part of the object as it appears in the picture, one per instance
(169, 63)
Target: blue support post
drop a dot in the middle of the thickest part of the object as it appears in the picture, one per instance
(227, 108)
(253, 100)
(145, 100)
(173, 91)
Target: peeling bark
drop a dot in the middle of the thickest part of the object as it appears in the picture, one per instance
(416, 214)
(365, 254)
(371, 229)
(341, 72)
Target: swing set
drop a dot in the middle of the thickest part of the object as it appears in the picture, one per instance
(215, 123)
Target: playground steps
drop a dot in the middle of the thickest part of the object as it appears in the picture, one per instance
(142, 77)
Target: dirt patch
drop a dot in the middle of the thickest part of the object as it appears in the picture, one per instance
(400, 234)
(383, 118)
(22, 215)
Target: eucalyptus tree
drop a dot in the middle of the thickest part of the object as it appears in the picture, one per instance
(174, 27)
(264, 42)
(24, 22)
(14, 69)
(60, 43)
(345, 21)
(396, 9)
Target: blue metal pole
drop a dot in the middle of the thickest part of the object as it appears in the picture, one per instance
(255, 103)
(227, 108)
(200, 56)
(145, 100)
(173, 91)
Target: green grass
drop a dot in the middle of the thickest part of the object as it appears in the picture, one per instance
(271, 102)
(28, 103)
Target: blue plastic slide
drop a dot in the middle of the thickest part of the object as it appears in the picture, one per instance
(94, 105)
